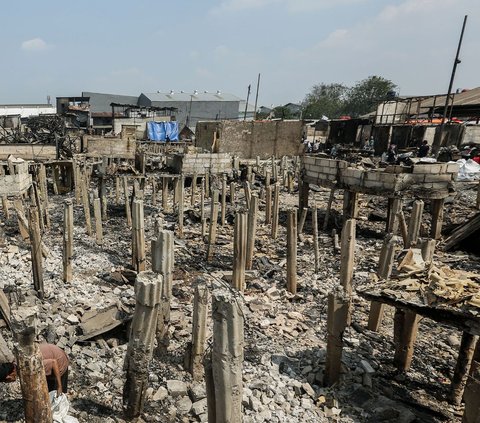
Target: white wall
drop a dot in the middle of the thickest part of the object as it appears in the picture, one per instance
(471, 134)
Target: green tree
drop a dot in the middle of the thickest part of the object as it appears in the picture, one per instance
(325, 100)
(365, 95)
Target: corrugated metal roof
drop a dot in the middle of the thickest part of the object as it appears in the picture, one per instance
(466, 98)
(100, 102)
(200, 96)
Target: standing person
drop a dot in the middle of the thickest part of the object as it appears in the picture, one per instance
(55, 363)
(392, 154)
(423, 149)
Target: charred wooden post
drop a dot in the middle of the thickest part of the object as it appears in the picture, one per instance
(181, 204)
(239, 251)
(207, 183)
(303, 190)
(163, 262)
(268, 204)
(138, 236)
(415, 223)
(67, 240)
(428, 249)
(315, 238)
(290, 182)
(385, 265)
(36, 250)
(404, 335)
(249, 174)
(194, 188)
(165, 194)
(248, 193)
(224, 201)
(128, 211)
(36, 401)
(212, 234)
(394, 207)
(154, 191)
(276, 206)
(40, 206)
(225, 396)
(292, 251)
(403, 228)
(5, 207)
(252, 230)
(22, 221)
(86, 206)
(268, 177)
(274, 170)
(199, 329)
(117, 190)
(462, 368)
(471, 396)
(347, 255)
(97, 211)
(148, 289)
(350, 205)
(301, 222)
(233, 187)
(337, 320)
(202, 204)
(437, 218)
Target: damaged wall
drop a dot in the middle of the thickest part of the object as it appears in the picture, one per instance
(251, 139)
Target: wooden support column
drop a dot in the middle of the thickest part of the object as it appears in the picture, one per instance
(239, 251)
(128, 212)
(22, 221)
(233, 187)
(56, 179)
(163, 263)
(181, 204)
(437, 218)
(404, 335)
(268, 177)
(347, 255)
(301, 222)
(224, 398)
(202, 205)
(252, 230)
(268, 205)
(199, 329)
(138, 236)
(385, 265)
(165, 194)
(67, 240)
(148, 289)
(350, 205)
(292, 251)
(303, 191)
(117, 190)
(212, 234)
(248, 193)
(194, 188)
(315, 238)
(36, 251)
(97, 211)
(471, 396)
(415, 223)
(30, 370)
(337, 318)
(224, 201)
(462, 368)
(403, 228)
(207, 182)
(5, 207)
(394, 207)
(276, 206)
(154, 191)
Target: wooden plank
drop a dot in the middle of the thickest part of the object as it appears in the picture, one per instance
(28, 151)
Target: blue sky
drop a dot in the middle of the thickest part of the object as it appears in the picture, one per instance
(128, 47)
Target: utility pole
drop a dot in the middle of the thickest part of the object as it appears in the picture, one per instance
(246, 103)
(439, 140)
(256, 99)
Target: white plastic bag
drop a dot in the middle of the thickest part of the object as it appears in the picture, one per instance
(60, 406)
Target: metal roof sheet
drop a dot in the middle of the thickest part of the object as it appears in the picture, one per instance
(200, 96)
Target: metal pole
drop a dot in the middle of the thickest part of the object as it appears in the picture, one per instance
(256, 99)
(246, 103)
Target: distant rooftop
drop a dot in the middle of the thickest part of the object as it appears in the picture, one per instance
(194, 96)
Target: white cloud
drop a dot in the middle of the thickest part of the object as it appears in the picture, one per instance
(227, 6)
(35, 44)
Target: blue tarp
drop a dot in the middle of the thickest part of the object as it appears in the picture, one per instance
(159, 131)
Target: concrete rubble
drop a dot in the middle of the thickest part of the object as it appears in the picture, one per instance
(285, 334)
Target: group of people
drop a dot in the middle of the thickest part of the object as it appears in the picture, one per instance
(391, 155)
(55, 363)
